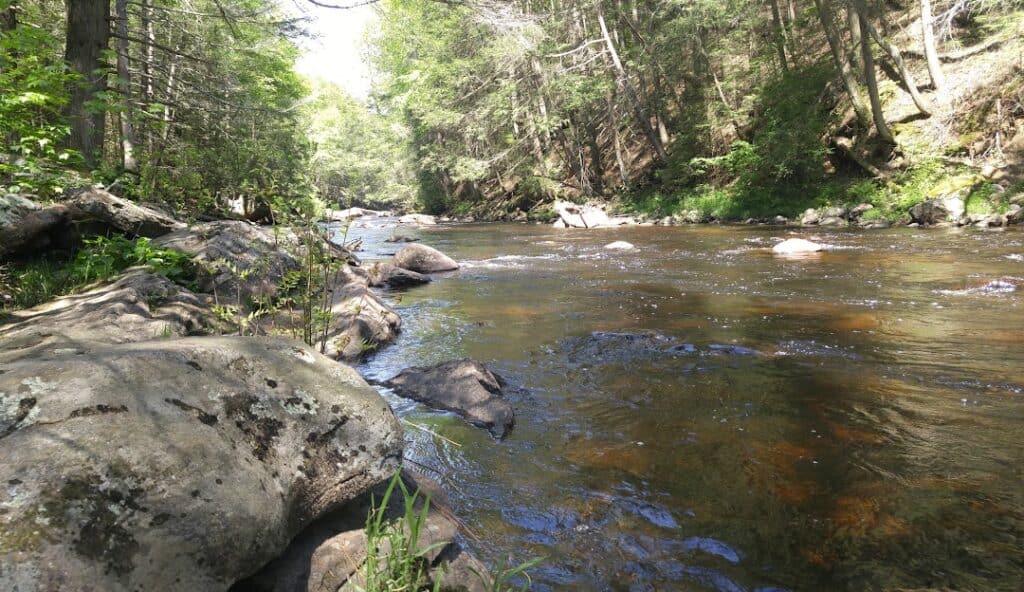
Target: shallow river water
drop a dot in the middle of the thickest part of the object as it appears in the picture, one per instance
(696, 414)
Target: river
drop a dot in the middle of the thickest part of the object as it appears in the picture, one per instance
(696, 414)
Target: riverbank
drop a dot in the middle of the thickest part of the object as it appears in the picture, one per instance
(164, 428)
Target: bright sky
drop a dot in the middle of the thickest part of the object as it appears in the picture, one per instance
(337, 52)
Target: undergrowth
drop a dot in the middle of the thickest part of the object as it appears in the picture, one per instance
(29, 283)
(397, 562)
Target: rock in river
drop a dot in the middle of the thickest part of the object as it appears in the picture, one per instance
(423, 259)
(386, 274)
(795, 246)
(620, 246)
(465, 387)
(178, 464)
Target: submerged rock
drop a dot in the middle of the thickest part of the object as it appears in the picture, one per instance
(465, 387)
(423, 259)
(331, 553)
(620, 246)
(796, 246)
(179, 464)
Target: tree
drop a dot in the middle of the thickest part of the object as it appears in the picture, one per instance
(88, 34)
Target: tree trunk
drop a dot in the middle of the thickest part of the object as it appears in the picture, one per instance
(642, 119)
(125, 85)
(88, 34)
(856, 38)
(928, 37)
(894, 53)
(876, 101)
(847, 74)
(9, 18)
(779, 35)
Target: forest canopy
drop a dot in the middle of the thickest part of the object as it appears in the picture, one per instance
(497, 107)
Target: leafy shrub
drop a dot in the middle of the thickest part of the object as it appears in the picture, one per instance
(101, 258)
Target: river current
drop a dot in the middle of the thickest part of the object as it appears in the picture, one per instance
(697, 414)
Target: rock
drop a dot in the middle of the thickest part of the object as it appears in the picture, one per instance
(933, 211)
(236, 261)
(586, 216)
(137, 306)
(97, 205)
(619, 246)
(859, 210)
(465, 387)
(421, 219)
(386, 274)
(401, 239)
(26, 227)
(331, 553)
(351, 213)
(1017, 199)
(836, 212)
(779, 221)
(423, 259)
(874, 224)
(182, 464)
(559, 224)
(832, 221)
(1015, 215)
(810, 217)
(360, 322)
(794, 246)
(666, 221)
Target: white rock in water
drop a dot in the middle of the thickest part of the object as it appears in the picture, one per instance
(620, 245)
(796, 245)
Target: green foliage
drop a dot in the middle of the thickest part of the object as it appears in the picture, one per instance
(395, 560)
(101, 258)
(33, 85)
(359, 157)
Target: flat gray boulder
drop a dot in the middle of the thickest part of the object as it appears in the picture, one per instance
(137, 306)
(180, 464)
(235, 260)
(465, 387)
(423, 259)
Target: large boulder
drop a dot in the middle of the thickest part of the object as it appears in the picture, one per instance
(387, 274)
(97, 205)
(1015, 215)
(935, 211)
(137, 306)
(360, 322)
(465, 387)
(179, 464)
(331, 553)
(235, 260)
(423, 259)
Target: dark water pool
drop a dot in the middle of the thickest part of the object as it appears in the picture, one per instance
(696, 414)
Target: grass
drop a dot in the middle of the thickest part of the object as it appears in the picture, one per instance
(397, 562)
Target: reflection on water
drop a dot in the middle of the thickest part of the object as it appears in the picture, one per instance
(699, 415)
